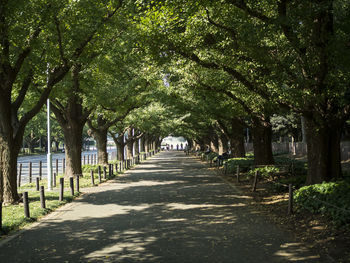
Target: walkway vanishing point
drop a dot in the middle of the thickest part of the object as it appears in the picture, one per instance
(168, 209)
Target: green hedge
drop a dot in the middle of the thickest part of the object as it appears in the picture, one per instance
(330, 199)
(242, 162)
(264, 172)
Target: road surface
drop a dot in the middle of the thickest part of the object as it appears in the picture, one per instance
(168, 209)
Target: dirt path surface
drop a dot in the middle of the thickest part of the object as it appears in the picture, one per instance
(168, 209)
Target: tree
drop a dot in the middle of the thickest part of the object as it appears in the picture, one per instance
(30, 38)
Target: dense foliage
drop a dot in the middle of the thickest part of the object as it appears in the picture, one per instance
(329, 199)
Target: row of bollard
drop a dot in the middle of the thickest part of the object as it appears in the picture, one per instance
(87, 159)
(101, 171)
(123, 165)
(42, 194)
(30, 172)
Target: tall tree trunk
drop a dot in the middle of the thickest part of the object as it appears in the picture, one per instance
(100, 135)
(137, 145)
(146, 143)
(323, 150)
(262, 136)
(73, 144)
(9, 152)
(129, 148)
(237, 139)
(120, 152)
(142, 143)
(119, 141)
(223, 144)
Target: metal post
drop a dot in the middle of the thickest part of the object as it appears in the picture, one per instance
(49, 156)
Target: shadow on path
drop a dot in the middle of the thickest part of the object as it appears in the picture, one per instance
(169, 209)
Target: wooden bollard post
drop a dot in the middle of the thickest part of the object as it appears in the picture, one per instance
(26, 204)
(30, 172)
(110, 170)
(42, 197)
(92, 177)
(290, 199)
(54, 179)
(88, 159)
(255, 182)
(20, 175)
(237, 173)
(104, 172)
(116, 168)
(71, 185)
(99, 173)
(77, 183)
(37, 183)
(57, 166)
(40, 170)
(64, 165)
(60, 198)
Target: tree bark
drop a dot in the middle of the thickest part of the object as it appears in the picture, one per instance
(236, 138)
(100, 135)
(9, 153)
(119, 141)
(136, 145)
(129, 149)
(323, 150)
(142, 144)
(262, 142)
(73, 145)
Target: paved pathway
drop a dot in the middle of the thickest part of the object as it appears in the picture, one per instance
(169, 209)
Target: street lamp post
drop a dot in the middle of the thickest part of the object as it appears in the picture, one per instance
(49, 157)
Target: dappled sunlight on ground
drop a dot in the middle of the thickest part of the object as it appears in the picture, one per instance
(293, 252)
(166, 210)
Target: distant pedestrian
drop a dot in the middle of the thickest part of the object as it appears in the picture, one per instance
(182, 146)
(177, 147)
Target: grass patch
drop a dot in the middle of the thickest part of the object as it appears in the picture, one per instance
(13, 217)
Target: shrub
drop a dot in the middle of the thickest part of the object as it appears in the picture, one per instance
(212, 156)
(330, 199)
(265, 172)
(245, 163)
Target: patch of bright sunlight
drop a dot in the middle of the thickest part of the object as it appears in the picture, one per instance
(295, 252)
